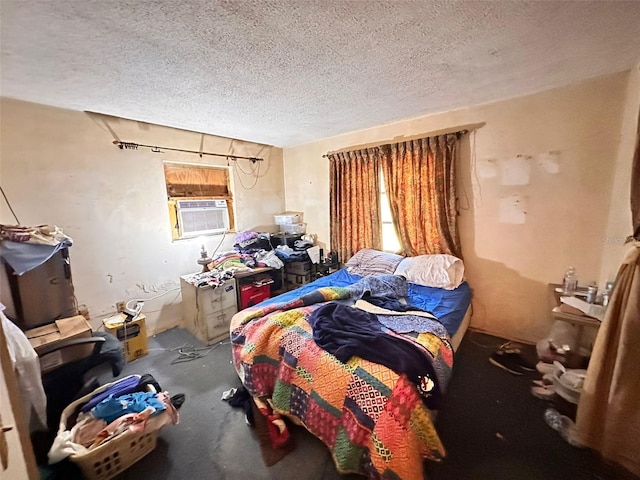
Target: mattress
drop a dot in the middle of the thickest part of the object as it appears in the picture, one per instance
(451, 307)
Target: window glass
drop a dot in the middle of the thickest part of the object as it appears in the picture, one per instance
(390, 241)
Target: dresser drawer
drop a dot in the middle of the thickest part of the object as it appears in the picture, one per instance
(218, 324)
(213, 300)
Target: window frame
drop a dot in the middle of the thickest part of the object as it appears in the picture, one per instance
(172, 200)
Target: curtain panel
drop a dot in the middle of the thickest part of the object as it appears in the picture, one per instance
(635, 187)
(355, 220)
(608, 419)
(420, 178)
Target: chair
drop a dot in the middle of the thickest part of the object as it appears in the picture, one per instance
(69, 381)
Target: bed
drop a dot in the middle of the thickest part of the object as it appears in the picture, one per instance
(376, 422)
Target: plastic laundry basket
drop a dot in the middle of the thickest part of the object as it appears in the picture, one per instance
(112, 457)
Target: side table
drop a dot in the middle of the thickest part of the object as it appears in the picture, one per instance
(579, 321)
(324, 268)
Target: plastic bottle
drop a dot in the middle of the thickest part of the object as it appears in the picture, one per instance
(570, 281)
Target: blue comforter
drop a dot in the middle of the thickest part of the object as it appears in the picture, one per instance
(448, 306)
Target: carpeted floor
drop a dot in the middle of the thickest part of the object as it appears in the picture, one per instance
(492, 427)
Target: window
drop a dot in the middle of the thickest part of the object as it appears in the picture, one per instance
(390, 242)
(199, 200)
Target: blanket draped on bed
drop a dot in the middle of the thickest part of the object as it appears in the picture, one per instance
(373, 419)
(346, 332)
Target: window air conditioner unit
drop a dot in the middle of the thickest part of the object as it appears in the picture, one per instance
(202, 217)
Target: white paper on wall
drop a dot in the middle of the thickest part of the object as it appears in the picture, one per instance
(516, 171)
(513, 209)
(487, 168)
(550, 161)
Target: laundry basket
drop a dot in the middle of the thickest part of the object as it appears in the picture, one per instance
(108, 460)
(112, 457)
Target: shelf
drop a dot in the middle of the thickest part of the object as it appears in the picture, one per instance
(575, 319)
(254, 271)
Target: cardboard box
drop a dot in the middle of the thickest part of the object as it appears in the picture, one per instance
(57, 332)
(132, 335)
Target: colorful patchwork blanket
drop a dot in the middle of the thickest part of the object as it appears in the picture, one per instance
(374, 420)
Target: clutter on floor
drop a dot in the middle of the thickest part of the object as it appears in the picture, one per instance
(108, 430)
(558, 385)
(510, 357)
(270, 427)
(563, 425)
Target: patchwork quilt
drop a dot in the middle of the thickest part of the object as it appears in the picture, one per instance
(374, 420)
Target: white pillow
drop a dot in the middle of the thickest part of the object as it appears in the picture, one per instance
(441, 271)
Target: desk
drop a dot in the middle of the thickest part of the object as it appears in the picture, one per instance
(247, 276)
(324, 268)
(580, 321)
(252, 272)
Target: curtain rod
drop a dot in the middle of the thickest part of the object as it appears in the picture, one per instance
(326, 155)
(156, 149)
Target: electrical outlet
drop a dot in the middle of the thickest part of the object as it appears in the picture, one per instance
(120, 306)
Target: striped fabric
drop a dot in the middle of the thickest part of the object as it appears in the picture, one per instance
(373, 262)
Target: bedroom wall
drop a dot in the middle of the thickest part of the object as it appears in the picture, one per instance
(619, 218)
(508, 264)
(60, 167)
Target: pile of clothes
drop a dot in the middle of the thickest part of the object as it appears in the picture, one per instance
(25, 248)
(251, 242)
(131, 405)
(251, 250)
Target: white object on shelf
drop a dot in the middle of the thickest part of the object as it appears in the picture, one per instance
(590, 309)
(314, 254)
(288, 218)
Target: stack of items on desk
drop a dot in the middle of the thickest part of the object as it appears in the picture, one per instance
(109, 418)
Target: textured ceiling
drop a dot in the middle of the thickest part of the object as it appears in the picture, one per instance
(289, 72)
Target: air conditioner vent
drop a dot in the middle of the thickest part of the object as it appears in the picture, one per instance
(202, 217)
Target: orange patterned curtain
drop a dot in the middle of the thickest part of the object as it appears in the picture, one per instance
(420, 178)
(635, 187)
(355, 201)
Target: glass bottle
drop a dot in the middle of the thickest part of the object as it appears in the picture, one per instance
(570, 281)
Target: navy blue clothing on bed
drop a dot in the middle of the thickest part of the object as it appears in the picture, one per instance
(345, 331)
(390, 303)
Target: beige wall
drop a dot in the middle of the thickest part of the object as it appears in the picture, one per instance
(508, 265)
(619, 223)
(60, 167)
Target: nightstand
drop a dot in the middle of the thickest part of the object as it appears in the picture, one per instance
(324, 268)
(579, 321)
